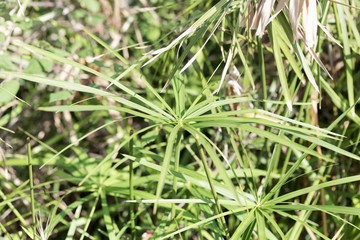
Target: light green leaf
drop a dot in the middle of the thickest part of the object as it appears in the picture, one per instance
(61, 95)
(326, 208)
(34, 67)
(6, 63)
(8, 90)
(64, 60)
(166, 163)
(303, 191)
(46, 64)
(92, 5)
(280, 66)
(260, 221)
(248, 219)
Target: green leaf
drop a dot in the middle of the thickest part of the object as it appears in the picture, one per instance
(46, 64)
(34, 67)
(61, 59)
(108, 220)
(303, 191)
(244, 225)
(326, 208)
(280, 66)
(92, 5)
(8, 91)
(82, 88)
(61, 95)
(260, 221)
(6, 63)
(153, 33)
(166, 163)
(349, 62)
(206, 143)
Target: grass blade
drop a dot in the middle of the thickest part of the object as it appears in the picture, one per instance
(166, 162)
(280, 66)
(312, 189)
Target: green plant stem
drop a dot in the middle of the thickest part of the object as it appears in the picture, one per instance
(262, 68)
(131, 187)
(176, 169)
(32, 195)
(299, 159)
(222, 222)
(91, 214)
(322, 168)
(348, 60)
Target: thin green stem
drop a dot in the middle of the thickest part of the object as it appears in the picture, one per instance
(131, 187)
(91, 214)
(299, 160)
(262, 70)
(32, 195)
(222, 222)
(176, 169)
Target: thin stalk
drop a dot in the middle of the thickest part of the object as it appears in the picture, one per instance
(262, 70)
(299, 159)
(32, 195)
(176, 169)
(295, 233)
(322, 168)
(91, 214)
(239, 160)
(342, 29)
(356, 143)
(273, 163)
(222, 222)
(315, 121)
(302, 109)
(247, 159)
(18, 215)
(131, 187)
(285, 166)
